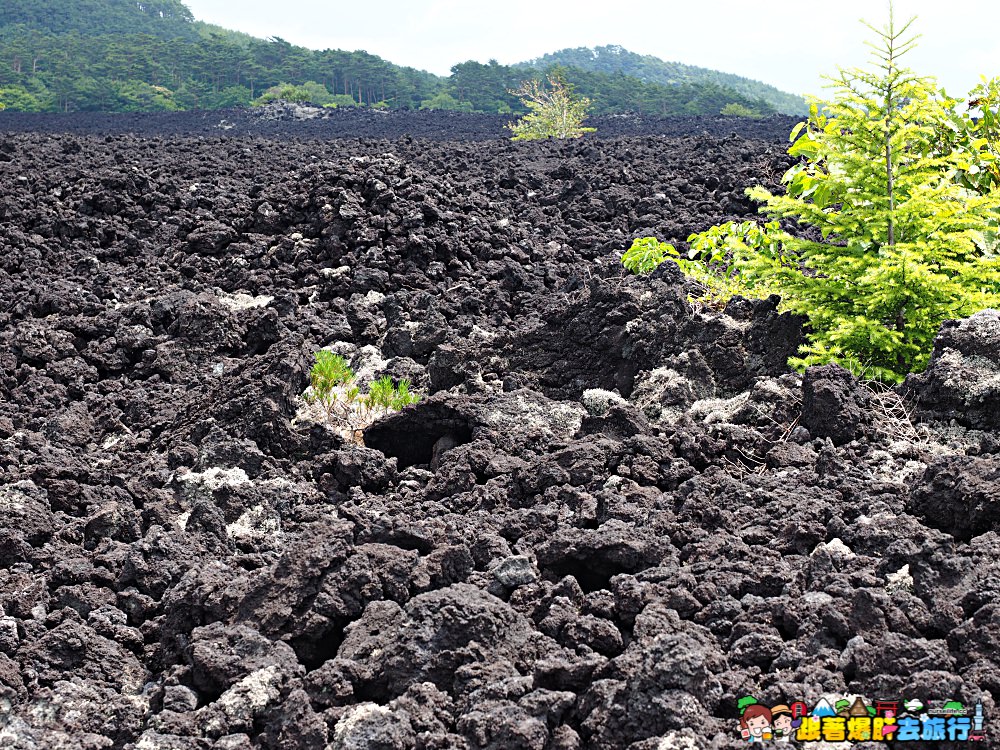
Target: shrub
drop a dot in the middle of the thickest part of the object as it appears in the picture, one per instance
(711, 260)
(646, 254)
(553, 111)
(735, 109)
(978, 137)
(309, 92)
(333, 387)
(330, 371)
(891, 178)
(445, 101)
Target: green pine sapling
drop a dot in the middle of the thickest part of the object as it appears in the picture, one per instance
(333, 386)
(328, 373)
(902, 192)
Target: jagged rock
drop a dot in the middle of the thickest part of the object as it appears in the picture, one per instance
(834, 405)
(962, 381)
(958, 495)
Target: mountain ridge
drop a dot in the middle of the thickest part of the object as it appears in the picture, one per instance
(615, 58)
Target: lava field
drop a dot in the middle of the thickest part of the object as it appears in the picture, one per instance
(613, 514)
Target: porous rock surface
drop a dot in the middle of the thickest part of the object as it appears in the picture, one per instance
(612, 515)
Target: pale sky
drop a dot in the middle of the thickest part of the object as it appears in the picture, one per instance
(790, 45)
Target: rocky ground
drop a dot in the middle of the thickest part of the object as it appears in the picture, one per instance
(612, 515)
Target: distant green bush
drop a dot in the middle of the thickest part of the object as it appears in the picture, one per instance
(341, 100)
(309, 92)
(138, 96)
(20, 99)
(734, 109)
(445, 101)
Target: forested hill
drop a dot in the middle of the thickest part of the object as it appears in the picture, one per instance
(614, 59)
(152, 55)
(169, 19)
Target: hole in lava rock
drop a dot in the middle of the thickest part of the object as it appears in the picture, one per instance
(314, 651)
(414, 438)
(366, 691)
(625, 377)
(592, 575)
(787, 628)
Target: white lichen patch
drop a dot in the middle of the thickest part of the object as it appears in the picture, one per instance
(835, 548)
(12, 496)
(677, 742)
(214, 478)
(713, 410)
(69, 704)
(598, 401)
(520, 415)
(253, 526)
(817, 598)
(241, 301)
(615, 483)
(340, 272)
(984, 383)
(255, 690)
(901, 580)
(202, 484)
(662, 394)
(481, 334)
(368, 364)
(111, 441)
(350, 731)
(241, 702)
(888, 468)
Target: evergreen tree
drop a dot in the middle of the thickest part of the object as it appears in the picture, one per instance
(903, 244)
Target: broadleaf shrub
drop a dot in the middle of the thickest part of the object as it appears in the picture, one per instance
(646, 253)
(554, 111)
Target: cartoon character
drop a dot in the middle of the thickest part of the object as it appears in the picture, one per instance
(755, 724)
(783, 723)
(977, 734)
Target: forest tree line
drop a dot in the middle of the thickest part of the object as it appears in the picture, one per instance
(71, 55)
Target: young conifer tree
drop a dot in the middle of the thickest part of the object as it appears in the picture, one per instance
(902, 245)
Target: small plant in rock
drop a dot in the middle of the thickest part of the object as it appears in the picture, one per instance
(330, 372)
(333, 387)
(388, 396)
(554, 111)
